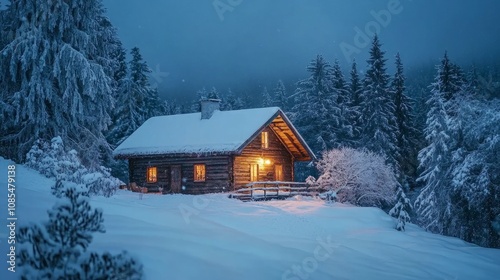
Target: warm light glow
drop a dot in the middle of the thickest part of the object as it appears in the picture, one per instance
(265, 140)
(254, 172)
(151, 175)
(278, 172)
(263, 161)
(199, 173)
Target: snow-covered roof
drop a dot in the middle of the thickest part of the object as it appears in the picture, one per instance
(224, 132)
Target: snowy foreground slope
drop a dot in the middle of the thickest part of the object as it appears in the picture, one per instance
(212, 237)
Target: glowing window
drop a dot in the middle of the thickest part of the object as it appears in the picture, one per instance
(254, 172)
(199, 172)
(151, 175)
(278, 172)
(265, 140)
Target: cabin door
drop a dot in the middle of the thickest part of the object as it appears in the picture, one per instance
(175, 178)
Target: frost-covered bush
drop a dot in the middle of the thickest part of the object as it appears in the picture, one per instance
(107, 266)
(357, 176)
(57, 248)
(52, 160)
(401, 210)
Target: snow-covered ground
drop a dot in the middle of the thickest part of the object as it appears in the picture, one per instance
(213, 237)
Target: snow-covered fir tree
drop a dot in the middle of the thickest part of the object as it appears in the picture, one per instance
(475, 182)
(434, 160)
(121, 70)
(476, 173)
(267, 100)
(339, 83)
(3, 28)
(315, 112)
(345, 132)
(355, 94)
(281, 96)
(195, 104)
(452, 78)
(232, 102)
(213, 94)
(137, 101)
(473, 85)
(379, 133)
(405, 132)
(53, 160)
(401, 210)
(57, 249)
(139, 71)
(62, 82)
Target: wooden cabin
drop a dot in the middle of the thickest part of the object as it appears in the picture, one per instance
(213, 151)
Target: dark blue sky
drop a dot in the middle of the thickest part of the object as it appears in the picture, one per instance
(257, 42)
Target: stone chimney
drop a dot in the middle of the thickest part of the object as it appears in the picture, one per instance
(208, 106)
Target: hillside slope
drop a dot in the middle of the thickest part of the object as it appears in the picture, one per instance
(213, 237)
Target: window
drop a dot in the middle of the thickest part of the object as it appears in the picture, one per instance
(199, 172)
(151, 175)
(278, 172)
(265, 140)
(254, 172)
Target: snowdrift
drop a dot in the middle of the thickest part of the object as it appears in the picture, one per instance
(213, 237)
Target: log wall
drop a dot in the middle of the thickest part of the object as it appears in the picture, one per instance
(277, 153)
(218, 170)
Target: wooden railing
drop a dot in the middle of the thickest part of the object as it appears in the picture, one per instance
(273, 190)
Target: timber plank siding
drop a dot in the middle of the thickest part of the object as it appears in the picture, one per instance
(217, 173)
(253, 153)
(222, 173)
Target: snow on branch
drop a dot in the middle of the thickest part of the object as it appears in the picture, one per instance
(357, 176)
(53, 161)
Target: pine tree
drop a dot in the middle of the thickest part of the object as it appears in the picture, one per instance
(355, 94)
(121, 70)
(405, 132)
(451, 77)
(315, 113)
(473, 85)
(54, 161)
(62, 83)
(355, 86)
(474, 173)
(346, 128)
(136, 100)
(196, 105)
(213, 94)
(139, 71)
(230, 101)
(379, 134)
(55, 248)
(3, 28)
(434, 159)
(267, 101)
(401, 210)
(281, 96)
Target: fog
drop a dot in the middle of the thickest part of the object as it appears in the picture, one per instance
(191, 44)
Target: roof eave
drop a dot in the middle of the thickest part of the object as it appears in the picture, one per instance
(312, 156)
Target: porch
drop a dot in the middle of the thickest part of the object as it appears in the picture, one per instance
(267, 190)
